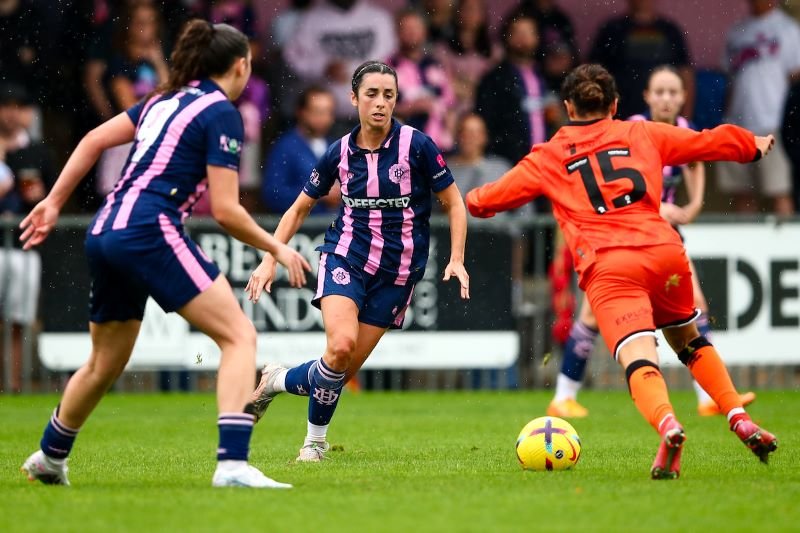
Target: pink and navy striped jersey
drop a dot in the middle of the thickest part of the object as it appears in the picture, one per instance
(383, 223)
(177, 135)
(672, 175)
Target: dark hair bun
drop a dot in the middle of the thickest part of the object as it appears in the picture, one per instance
(590, 88)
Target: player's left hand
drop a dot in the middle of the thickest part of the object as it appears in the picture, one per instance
(456, 268)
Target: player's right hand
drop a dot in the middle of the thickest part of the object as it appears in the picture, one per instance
(295, 264)
(765, 144)
(38, 224)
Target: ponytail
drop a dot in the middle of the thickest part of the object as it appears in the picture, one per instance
(204, 50)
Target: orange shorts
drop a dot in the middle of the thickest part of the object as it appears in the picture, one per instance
(634, 291)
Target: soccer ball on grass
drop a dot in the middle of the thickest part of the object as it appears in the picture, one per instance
(548, 443)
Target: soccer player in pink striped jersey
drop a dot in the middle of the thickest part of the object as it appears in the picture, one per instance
(187, 138)
(373, 253)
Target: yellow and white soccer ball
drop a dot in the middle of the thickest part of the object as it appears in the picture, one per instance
(548, 443)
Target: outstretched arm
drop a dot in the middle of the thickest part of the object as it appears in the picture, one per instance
(42, 218)
(679, 146)
(453, 205)
(516, 188)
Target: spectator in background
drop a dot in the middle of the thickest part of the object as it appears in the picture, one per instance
(287, 21)
(512, 98)
(470, 53)
(557, 54)
(23, 56)
(439, 17)
(137, 68)
(254, 103)
(470, 164)
(790, 136)
(632, 45)
(332, 39)
(426, 98)
(762, 54)
(555, 27)
(26, 174)
(294, 154)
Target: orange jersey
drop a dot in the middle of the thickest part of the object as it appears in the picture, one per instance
(604, 179)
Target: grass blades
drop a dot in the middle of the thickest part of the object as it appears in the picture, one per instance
(402, 462)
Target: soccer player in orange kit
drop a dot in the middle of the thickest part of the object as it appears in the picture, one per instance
(604, 179)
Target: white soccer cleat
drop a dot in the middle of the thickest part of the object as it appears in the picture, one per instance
(241, 474)
(265, 392)
(313, 452)
(48, 471)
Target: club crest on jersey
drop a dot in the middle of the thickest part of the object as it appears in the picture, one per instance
(340, 276)
(399, 173)
(229, 144)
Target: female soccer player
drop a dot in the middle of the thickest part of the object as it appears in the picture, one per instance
(373, 253)
(187, 138)
(665, 96)
(605, 179)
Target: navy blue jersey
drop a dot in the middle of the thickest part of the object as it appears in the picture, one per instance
(673, 175)
(383, 223)
(177, 135)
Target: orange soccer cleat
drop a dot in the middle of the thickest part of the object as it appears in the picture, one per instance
(710, 407)
(569, 408)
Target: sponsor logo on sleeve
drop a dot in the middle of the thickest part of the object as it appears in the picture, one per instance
(229, 145)
(314, 177)
(440, 160)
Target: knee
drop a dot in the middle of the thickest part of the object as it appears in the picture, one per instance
(104, 369)
(240, 335)
(341, 349)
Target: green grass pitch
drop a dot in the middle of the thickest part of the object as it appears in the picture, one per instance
(405, 462)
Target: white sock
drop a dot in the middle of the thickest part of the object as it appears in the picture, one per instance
(735, 411)
(230, 465)
(280, 381)
(566, 388)
(702, 395)
(315, 433)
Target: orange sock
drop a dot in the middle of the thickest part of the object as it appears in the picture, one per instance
(649, 391)
(709, 371)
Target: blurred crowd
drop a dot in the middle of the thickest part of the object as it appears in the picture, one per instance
(484, 92)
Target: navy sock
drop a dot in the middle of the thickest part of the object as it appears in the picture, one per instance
(298, 379)
(577, 350)
(234, 436)
(326, 387)
(703, 325)
(58, 439)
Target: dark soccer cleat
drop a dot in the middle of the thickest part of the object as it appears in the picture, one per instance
(760, 441)
(667, 464)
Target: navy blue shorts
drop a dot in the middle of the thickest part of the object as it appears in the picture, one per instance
(380, 302)
(126, 266)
